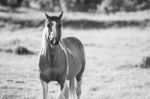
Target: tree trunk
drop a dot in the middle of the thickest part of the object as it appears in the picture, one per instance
(63, 5)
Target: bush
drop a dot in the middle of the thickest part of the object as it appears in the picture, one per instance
(11, 3)
(107, 6)
(123, 5)
(146, 62)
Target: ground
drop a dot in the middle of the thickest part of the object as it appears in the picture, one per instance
(112, 63)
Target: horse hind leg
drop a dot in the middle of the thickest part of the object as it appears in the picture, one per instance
(66, 90)
(78, 90)
(79, 77)
(79, 83)
(72, 86)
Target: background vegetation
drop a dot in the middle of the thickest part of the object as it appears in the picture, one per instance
(101, 6)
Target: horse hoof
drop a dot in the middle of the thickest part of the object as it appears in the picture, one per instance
(61, 97)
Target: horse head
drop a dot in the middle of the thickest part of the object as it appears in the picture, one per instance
(53, 28)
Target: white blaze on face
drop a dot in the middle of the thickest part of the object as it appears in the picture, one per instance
(53, 32)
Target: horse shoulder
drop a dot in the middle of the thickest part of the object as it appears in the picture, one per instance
(72, 42)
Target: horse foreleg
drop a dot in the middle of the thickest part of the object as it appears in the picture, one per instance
(64, 91)
(45, 89)
(72, 86)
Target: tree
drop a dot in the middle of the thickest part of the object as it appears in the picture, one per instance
(63, 5)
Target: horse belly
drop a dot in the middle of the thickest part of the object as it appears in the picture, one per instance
(75, 66)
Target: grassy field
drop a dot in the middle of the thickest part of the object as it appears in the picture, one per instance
(112, 70)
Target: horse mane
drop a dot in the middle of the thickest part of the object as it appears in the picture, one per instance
(44, 41)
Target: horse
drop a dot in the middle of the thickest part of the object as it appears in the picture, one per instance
(61, 60)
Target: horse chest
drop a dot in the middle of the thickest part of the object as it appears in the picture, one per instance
(52, 68)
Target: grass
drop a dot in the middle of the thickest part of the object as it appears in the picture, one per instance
(111, 71)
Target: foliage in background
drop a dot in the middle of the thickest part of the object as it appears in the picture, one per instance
(101, 6)
(123, 5)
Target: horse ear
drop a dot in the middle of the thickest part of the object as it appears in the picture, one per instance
(61, 14)
(46, 15)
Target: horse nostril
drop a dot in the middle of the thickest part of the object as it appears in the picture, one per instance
(53, 38)
(54, 41)
(53, 34)
(50, 37)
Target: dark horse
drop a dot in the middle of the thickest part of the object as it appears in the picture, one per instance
(61, 60)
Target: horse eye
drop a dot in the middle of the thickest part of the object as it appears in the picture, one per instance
(48, 25)
(59, 25)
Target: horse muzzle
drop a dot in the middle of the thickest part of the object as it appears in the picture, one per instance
(53, 41)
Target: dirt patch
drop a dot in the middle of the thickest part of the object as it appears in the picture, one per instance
(20, 50)
(145, 62)
(127, 66)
